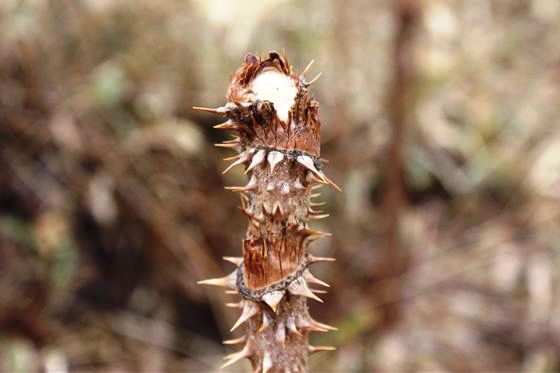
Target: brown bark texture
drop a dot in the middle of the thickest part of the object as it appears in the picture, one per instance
(277, 128)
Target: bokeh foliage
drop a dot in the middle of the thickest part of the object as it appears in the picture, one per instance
(111, 199)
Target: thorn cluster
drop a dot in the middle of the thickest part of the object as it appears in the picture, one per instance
(276, 124)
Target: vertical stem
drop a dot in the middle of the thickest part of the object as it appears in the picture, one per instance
(284, 167)
(399, 110)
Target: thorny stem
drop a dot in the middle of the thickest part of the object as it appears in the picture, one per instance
(278, 134)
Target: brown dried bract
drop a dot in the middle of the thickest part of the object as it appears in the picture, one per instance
(301, 130)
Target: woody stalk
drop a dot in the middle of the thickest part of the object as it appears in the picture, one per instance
(277, 138)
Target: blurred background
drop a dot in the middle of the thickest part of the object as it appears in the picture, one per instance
(440, 121)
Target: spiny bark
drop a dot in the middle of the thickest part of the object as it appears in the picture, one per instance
(278, 136)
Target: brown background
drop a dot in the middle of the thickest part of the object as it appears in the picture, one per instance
(440, 121)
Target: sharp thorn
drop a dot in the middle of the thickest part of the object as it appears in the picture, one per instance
(251, 216)
(298, 184)
(234, 305)
(312, 178)
(235, 340)
(277, 208)
(227, 125)
(230, 145)
(313, 349)
(250, 185)
(291, 325)
(281, 333)
(229, 281)
(308, 276)
(232, 158)
(317, 291)
(233, 259)
(266, 363)
(307, 68)
(324, 326)
(218, 110)
(318, 217)
(314, 232)
(331, 183)
(250, 309)
(235, 140)
(258, 158)
(243, 157)
(315, 259)
(299, 287)
(315, 79)
(235, 357)
(274, 157)
(265, 322)
(307, 162)
(273, 299)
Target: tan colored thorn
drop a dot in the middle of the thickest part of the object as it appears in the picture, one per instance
(230, 145)
(277, 208)
(313, 349)
(231, 158)
(315, 79)
(228, 281)
(308, 276)
(299, 287)
(243, 157)
(273, 299)
(218, 110)
(312, 178)
(311, 211)
(252, 184)
(235, 357)
(244, 197)
(307, 162)
(318, 291)
(292, 327)
(236, 140)
(323, 326)
(274, 157)
(257, 159)
(266, 363)
(314, 232)
(298, 185)
(234, 305)
(237, 260)
(331, 183)
(250, 309)
(254, 219)
(307, 68)
(315, 259)
(267, 207)
(227, 125)
(265, 322)
(235, 340)
(281, 333)
(319, 216)
(314, 326)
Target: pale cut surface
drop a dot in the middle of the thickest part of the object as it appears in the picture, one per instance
(277, 88)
